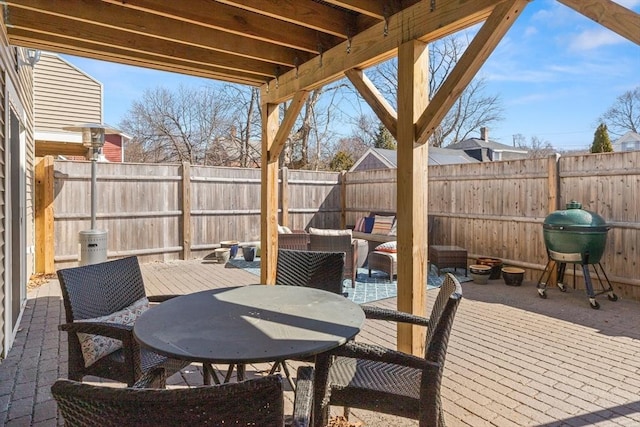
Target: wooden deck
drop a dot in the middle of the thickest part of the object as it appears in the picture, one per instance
(514, 358)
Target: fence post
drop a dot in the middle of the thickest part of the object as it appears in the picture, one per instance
(343, 199)
(553, 200)
(553, 196)
(44, 224)
(284, 196)
(185, 219)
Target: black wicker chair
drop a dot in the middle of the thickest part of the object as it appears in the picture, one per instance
(258, 402)
(312, 269)
(382, 380)
(97, 290)
(319, 270)
(344, 244)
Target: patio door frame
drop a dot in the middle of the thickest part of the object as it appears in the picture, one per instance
(15, 239)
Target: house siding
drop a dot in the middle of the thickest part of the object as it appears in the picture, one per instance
(64, 95)
(16, 90)
(112, 149)
(371, 162)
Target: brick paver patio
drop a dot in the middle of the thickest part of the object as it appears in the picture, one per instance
(514, 358)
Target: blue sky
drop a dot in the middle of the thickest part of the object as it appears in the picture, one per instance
(556, 72)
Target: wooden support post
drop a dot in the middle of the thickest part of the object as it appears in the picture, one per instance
(343, 200)
(269, 196)
(412, 193)
(284, 196)
(185, 220)
(553, 199)
(44, 224)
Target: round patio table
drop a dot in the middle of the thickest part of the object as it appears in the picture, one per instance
(249, 324)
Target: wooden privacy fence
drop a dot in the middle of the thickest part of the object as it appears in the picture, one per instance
(165, 212)
(496, 209)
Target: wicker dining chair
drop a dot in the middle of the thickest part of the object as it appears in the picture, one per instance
(312, 269)
(344, 244)
(375, 378)
(97, 298)
(257, 402)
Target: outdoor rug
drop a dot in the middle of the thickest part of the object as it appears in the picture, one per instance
(367, 289)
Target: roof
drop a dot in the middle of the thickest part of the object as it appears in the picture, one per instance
(627, 137)
(437, 156)
(473, 143)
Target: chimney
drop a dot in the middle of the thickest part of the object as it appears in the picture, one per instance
(484, 134)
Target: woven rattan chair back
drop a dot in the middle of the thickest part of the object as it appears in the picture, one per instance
(450, 286)
(98, 290)
(313, 269)
(298, 240)
(258, 402)
(378, 379)
(337, 244)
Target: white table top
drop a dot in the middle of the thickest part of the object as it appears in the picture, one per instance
(249, 324)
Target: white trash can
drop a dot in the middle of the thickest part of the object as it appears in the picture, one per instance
(93, 246)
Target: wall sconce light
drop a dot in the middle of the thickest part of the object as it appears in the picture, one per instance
(32, 56)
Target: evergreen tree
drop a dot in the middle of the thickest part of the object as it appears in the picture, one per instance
(341, 161)
(601, 141)
(384, 139)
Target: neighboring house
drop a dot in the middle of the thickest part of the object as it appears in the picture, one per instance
(379, 158)
(630, 141)
(65, 96)
(485, 150)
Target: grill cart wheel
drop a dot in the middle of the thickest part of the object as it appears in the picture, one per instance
(612, 297)
(594, 304)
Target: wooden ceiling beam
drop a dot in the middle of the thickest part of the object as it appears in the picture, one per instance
(375, 9)
(372, 46)
(308, 14)
(138, 22)
(230, 19)
(611, 15)
(485, 41)
(82, 48)
(380, 106)
(47, 26)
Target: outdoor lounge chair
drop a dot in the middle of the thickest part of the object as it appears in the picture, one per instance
(379, 379)
(101, 302)
(297, 240)
(258, 402)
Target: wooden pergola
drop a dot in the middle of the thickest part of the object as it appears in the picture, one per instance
(290, 47)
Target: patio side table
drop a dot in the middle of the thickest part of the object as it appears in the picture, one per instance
(448, 256)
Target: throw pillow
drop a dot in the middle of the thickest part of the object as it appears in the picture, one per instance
(283, 229)
(382, 224)
(394, 228)
(368, 224)
(359, 225)
(95, 347)
(328, 232)
(390, 247)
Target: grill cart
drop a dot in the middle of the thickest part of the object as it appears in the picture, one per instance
(575, 236)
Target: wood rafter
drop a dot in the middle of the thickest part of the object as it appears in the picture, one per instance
(289, 120)
(610, 14)
(374, 98)
(372, 46)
